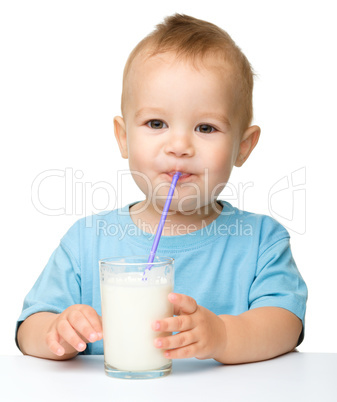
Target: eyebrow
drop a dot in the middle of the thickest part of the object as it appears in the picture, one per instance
(148, 110)
(153, 110)
(217, 116)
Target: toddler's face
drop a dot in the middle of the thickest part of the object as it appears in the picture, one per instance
(179, 118)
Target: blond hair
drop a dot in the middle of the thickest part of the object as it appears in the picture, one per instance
(191, 39)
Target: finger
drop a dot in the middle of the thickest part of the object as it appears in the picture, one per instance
(183, 304)
(182, 353)
(95, 320)
(68, 333)
(175, 341)
(174, 324)
(82, 325)
(53, 344)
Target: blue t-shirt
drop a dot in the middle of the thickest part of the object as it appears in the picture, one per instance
(239, 262)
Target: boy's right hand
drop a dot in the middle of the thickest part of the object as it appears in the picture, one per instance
(73, 329)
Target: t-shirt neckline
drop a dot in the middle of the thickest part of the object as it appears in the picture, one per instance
(195, 239)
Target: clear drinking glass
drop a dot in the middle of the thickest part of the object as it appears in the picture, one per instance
(133, 296)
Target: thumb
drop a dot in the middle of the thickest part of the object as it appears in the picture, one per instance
(182, 304)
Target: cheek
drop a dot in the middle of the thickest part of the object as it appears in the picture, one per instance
(219, 170)
(220, 162)
(145, 156)
(140, 164)
(135, 160)
(137, 154)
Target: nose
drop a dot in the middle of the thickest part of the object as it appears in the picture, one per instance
(179, 144)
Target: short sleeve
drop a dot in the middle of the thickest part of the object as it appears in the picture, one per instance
(278, 283)
(57, 288)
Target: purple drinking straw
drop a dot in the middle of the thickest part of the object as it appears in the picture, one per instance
(162, 221)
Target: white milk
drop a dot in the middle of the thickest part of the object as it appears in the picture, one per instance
(129, 306)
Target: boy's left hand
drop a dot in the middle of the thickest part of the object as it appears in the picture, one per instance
(202, 334)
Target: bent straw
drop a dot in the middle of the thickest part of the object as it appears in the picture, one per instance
(162, 220)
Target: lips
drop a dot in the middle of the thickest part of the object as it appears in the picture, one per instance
(184, 175)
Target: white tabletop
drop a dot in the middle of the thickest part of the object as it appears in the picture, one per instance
(292, 377)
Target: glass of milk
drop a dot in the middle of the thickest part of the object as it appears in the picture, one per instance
(133, 296)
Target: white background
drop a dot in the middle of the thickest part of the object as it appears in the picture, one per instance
(60, 84)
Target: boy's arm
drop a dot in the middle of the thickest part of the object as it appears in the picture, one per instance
(59, 336)
(258, 334)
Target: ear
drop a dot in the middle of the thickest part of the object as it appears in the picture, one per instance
(247, 144)
(120, 134)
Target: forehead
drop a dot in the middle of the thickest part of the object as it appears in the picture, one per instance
(145, 64)
(170, 81)
(165, 72)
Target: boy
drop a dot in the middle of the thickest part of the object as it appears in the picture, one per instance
(186, 106)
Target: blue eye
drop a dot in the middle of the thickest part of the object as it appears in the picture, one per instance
(156, 124)
(205, 129)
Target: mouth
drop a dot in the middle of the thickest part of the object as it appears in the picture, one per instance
(184, 176)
